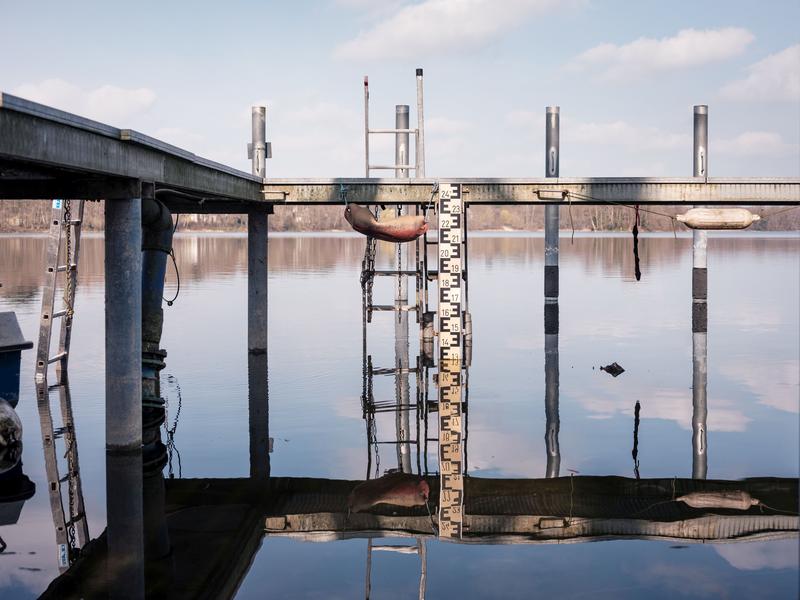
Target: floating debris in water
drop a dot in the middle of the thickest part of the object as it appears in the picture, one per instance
(613, 369)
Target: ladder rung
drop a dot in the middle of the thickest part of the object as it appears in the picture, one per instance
(75, 519)
(390, 371)
(398, 442)
(392, 307)
(62, 268)
(390, 273)
(75, 222)
(57, 357)
(398, 549)
(59, 313)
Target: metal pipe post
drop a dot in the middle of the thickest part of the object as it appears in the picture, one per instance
(700, 309)
(257, 325)
(401, 342)
(366, 126)
(123, 308)
(700, 238)
(259, 126)
(401, 140)
(552, 152)
(551, 218)
(420, 128)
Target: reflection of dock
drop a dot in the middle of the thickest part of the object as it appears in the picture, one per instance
(216, 525)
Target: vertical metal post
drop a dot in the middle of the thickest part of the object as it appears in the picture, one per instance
(700, 309)
(401, 140)
(123, 308)
(366, 126)
(551, 360)
(420, 128)
(404, 262)
(551, 218)
(259, 133)
(257, 326)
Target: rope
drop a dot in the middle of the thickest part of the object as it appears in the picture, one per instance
(632, 207)
(434, 192)
(177, 277)
(170, 431)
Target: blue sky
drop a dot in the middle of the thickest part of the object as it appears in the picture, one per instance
(625, 74)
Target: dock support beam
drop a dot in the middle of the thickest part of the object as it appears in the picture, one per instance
(700, 309)
(123, 308)
(257, 315)
(552, 148)
(405, 261)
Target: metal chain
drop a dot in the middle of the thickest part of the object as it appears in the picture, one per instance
(72, 474)
(68, 285)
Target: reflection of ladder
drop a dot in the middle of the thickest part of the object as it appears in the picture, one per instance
(418, 548)
(70, 522)
(65, 223)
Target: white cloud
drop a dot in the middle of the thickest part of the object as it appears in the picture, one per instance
(755, 556)
(755, 143)
(774, 384)
(666, 404)
(434, 26)
(617, 133)
(107, 103)
(775, 78)
(688, 48)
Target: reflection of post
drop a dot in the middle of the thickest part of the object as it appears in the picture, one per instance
(551, 403)
(405, 260)
(123, 291)
(258, 405)
(699, 310)
(552, 150)
(257, 271)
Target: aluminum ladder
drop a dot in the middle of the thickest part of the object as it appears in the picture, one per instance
(418, 548)
(63, 247)
(71, 526)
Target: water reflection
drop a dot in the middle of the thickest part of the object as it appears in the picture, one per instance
(214, 527)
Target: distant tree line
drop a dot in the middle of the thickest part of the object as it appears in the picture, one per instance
(32, 216)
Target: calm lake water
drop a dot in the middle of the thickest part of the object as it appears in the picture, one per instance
(315, 416)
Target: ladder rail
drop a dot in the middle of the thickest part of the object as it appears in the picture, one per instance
(65, 336)
(49, 291)
(78, 511)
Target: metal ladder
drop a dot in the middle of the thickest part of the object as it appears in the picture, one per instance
(65, 223)
(418, 548)
(72, 528)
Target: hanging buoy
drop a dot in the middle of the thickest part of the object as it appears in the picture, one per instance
(406, 228)
(718, 218)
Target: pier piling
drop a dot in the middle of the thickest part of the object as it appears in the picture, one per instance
(123, 307)
(700, 308)
(257, 314)
(552, 148)
(405, 261)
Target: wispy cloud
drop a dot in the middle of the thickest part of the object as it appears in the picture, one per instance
(756, 143)
(107, 103)
(776, 78)
(610, 133)
(646, 56)
(439, 26)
